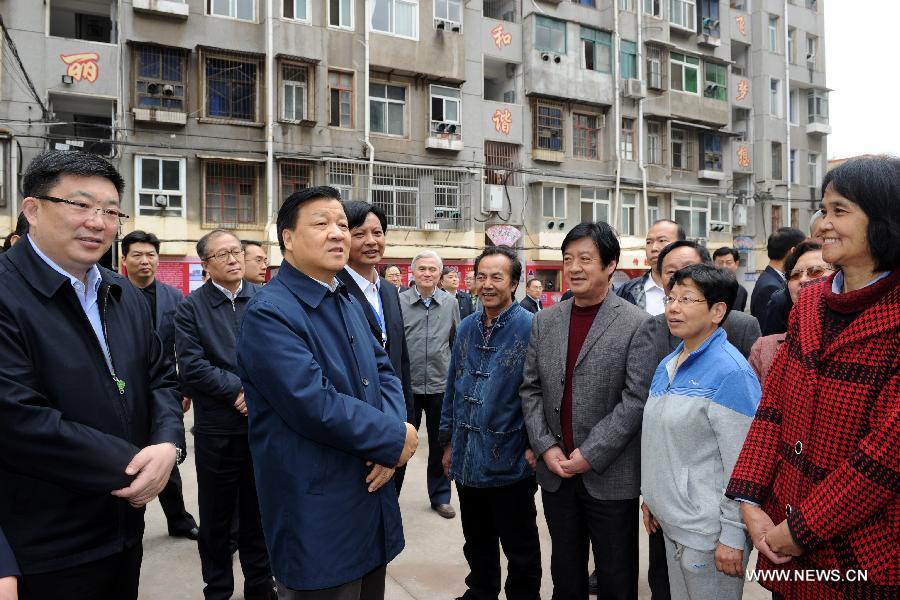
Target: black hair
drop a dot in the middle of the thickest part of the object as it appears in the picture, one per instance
(245, 243)
(717, 285)
(682, 234)
(530, 281)
(873, 183)
(700, 249)
(20, 231)
(386, 267)
(447, 271)
(799, 250)
(603, 236)
(139, 237)
(725, 250)
(357, 212)
(47, 167)
(515, 265)
(781, 242)
(203, 242)
(287, 214)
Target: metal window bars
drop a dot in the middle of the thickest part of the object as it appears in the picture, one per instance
(501, 164)
(231, 193)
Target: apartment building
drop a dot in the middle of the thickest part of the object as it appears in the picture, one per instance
(467, 122)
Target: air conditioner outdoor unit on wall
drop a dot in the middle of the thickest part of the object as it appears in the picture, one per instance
(493, 198)
(635, 88)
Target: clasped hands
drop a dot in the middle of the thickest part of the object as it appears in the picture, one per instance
(565, 466)
(380, 475)
(773, 542)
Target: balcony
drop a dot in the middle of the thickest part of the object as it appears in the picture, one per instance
(700, 109)
(85, 124)
(818, 125)
(445, 136)
(164, 8)
(437, 54)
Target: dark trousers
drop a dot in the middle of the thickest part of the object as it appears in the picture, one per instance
(369, 587)
(577, 522)
(225, 479)
(658, 570)
(399, 476)
(114, 577)
(438, 484)
(172, 501)
(507, 515)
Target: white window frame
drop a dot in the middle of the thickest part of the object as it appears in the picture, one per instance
(447, 16)
(776, 105)
(812, 169)
(655, 67)
(628, 146)
(684, 65)
(812, 48)
(350, 17)
(436, 91)
(653, 8)
(392, 18)
(695, 204)
(304, 3)
(773, 34)
(140, 188)
(557, 190)
(724, 208)
(653, 209)
(295, 85)
(629, 204)
(232, 10)
(595, 197)
(794, 106)
(655, 141)
(683, 14)
(387, 102)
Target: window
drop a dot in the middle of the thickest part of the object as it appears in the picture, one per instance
(387, 108)
(159, 185)
(691, 213)
(793, 106)
(777, 172)
(397, 17)
(501, 164)
(812, 4)
(548, 126)
(502, 10)
(340, 13)
(445, 110)
(777, 220)
(628, 221)
(655, 131)
(626, 4)
(231, 88)
(685, 71)
(584, 2)
(709, 17)
(554, 202)
(230, 193)
(683, 13)
(159, 78)
(343, 175)
(652, 209)
(716, 78)
(773, 34)
(549, 35)
(812, 47)
(295, 176)
(594, 204)
(682, 150)
(654, 67)
(395, 190)
(597, 47)
(295, 9)
(792, 166)
(448, 10)
(295, 92)
(795, 218)
(233, 9)
(628, 59)
(738, 4)
(627, 147)
(448, 194)
(812, 166)
(817, 106)
(712, 152)
(340, 91)
(653, 7)
(792, 45)
(720, 212)
(586, 136)
(775, 98)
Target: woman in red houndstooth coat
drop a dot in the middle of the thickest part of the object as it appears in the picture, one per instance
(819, 473)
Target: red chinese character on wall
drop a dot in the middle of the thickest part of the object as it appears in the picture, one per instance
(82, 66)
(502, 120)
(743, 88)
(743, 157)
(501, 37)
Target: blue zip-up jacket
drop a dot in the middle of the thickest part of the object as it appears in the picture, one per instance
(482, 411)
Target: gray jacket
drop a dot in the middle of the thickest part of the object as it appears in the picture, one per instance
(429, 337)
(608, 394)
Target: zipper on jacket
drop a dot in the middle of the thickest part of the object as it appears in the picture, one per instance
(119, 383)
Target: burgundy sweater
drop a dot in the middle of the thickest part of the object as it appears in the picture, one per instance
(579, 326)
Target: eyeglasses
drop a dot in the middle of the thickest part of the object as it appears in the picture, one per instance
(222, 255)
(683, 300)
(262, 260)
(82, 209)
(813, 272)
(581, 260)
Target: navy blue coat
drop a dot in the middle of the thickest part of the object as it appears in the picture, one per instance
(7, 560)
(167, 299)
(767, 284)
(323, 399)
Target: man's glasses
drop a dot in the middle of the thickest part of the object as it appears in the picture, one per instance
(110, 215)
(222, 255)
(682, 300)
(261, 260)
(813, 272)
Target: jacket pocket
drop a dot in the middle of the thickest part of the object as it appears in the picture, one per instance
(503, 451)
(318, 471)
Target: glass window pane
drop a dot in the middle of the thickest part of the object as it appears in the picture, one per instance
(300, 9)
(395, 119)
(690, 80)
(437, 109)
(376, 110)
(440, 9)
(452, 109)
(170, 179)
(245, 9)
(405, 19)
(150, 173)
(346, 13)
(222, 8)
(455, 12)
(396, 92)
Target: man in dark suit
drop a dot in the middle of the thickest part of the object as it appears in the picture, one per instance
(378, 298)
(779, 245)
(450, 284)
(728, 258)
(532, 300)
(140, 252)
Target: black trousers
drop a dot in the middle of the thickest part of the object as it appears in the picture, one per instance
(171, 499)
(369, 587)
(438, 484)
(658, 569)
(114, 577)
(224, 480)
(577, 522)
(501, 516)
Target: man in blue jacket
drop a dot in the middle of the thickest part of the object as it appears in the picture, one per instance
(486, 450)
(327, 415)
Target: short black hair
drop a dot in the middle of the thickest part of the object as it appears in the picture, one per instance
(532, 280)
(447, 271)
(799, 250)
(724, 250)
(203, 242)
(699, 248)
(682, 234)
(139, 237)
(385, 268)
(287, 214)
(717, 285)
(47, 167)
(20, 231)
(603, 236)
(781, 242)
(357, 212)
(245, 243)
(515, 265)
(873, 183)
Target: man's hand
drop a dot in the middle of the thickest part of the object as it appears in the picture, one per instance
(446, 460)
(378, 476)
(730, 560)
(530, 458)
(240, 404)
(152, 465)
(780, 541)
(9, 588)
(650, 522)
(759, 524)
(576, 463)
(185, 404)
(409, 447)
(552, 458)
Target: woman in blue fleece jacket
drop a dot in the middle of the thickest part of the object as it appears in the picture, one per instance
(702, 401)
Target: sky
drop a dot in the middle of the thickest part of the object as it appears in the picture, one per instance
(861, 67)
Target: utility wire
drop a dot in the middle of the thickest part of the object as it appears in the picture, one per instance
(15, 52)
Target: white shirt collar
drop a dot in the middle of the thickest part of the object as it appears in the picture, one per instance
(650, 284)
(837, 284)
(92, 275)
(361, 281)
(227, 292)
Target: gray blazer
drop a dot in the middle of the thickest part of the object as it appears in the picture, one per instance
(608, 393)
(742, 330)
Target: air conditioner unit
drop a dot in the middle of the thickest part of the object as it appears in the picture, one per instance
(740, 215)
(168, 90)
(635, 88)
(443, 24)
(493, 198)
(439, 24)
(161, 201)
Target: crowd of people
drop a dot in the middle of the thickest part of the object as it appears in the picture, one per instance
(660, 401)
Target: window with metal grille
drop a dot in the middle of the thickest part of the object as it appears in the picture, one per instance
(586, 135)
(345, 177)
(447, 192)
(548, 125)
(244, 10)
(387, 108)
(627, 141)
(597, 47)
(231, 88)
(594, 204)
(655, 68)
(685, 70)
(340, 91)
(395, 190)
(295, 176)
(817, 106)
(655, 143)
(231, 192)
(716, 79)
(501, 164)
(295, 88)
(682, 150)
(296, 9)
(709, 17)
(159, 77)
(712, 152)
(159, 185)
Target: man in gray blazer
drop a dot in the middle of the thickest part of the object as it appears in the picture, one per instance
(583, 395)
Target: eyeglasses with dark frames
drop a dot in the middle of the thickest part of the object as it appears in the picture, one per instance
(84, 210)
(222, 255)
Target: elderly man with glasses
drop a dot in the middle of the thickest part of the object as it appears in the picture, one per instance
(206, 325)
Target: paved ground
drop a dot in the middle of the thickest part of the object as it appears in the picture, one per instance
(431, 567)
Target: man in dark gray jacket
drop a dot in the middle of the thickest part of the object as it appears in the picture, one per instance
(430, 317)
